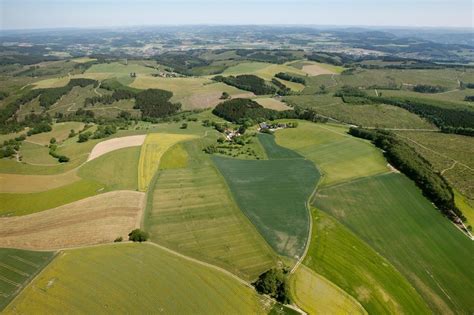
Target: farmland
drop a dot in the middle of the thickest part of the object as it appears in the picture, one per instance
(272, 103)
(390, 214)
(60, 132)
(273, 194)
(192, 212)
(339, 156)
(153, 148)
(17, 268)
(94, 220)
(14, 183)
(155, 278)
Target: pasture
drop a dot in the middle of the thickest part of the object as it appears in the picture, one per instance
(369, 278)
(60, 132)
(119, 69)
(272, 103)
(338, 155)
(89, 221)
(131, 278)
(15, 183)
(17, 268)
(191, 211)
(155, 145)
(273, 195)
(117, 170)
(191, 92)
(313, 68)
(317, 295)
(390, 214)
(262, 69)
(36, 154)
(12, 204)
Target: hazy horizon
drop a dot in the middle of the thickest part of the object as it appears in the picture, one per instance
(55, 14)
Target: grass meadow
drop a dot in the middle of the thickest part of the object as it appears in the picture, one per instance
(391, 215)
(17, 268)
(192, 211)
(131, 278)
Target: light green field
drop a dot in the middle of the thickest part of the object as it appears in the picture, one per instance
(60, 132)
(264, 70)
(193, 93)
(129, 279)
(120, 69)
(62, 81)
(269, 102)
(339, 255)
(117, 170)
(339, 156)
(155, 145)
(389, 213)
(12, 204)
(36, 154)
(297, 87)
(17, 268)
(466, 207)
(316, 295)
(301, 64)
(83, 60)
(175, 157)
(191, 211)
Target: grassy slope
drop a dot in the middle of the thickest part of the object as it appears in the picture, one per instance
(131, 278)
(17, 268)
(21, 204)
(192, 212)
(316, 295)
(36, 154)
(60, 132)
(339, 156)
(389, 213)
(273, 193)
(369, 277)
(116, 170)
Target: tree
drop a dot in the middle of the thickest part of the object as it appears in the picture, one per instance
(52, 140)
(273, 282)
(224, 96)
(138, 235)
(83, 137)
(184, 126)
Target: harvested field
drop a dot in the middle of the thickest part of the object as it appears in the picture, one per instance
(192, 212)
(83, 60)
(94, 220)
(106, 146)
(314, 69)
(16, 183)
(272, 103)
(17, 268)
(133, 278)
(154, 146)
(317, 295)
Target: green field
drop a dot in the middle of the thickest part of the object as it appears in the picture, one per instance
(339, 156)
(36, 154)
(132, 278)
(117, 170)
(391, 215)
(22, 204)
(17, 268)
(340, 256)
(175, 157)
(273, 194)
(60, 132)
(191, 211)
(262, 69)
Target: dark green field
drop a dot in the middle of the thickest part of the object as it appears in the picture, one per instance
(390, 214)
(273, 195)
(17, 268)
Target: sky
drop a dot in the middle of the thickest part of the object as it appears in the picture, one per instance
(40, 14)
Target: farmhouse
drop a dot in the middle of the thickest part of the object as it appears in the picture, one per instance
(272, 127)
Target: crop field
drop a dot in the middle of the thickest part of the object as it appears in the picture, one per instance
(36, 154)
(193, 93)
(17, 268)
(369, 277)
(83, 60)
(339, 156)
(60, 132)
(117, 170)
(15, 183)
(119, 69)
(174, 157)
(316, 295)
(272, 103)
(193, 213)
(262, 69)
(156, 279)
(273, 195)
(391, 215)
(316, 68)
(113, 144)
(94, 220)
(153, 148)
(21, 204)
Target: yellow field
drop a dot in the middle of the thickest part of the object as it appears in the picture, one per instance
(272, 103)
(191, 92)
(317, 295)
(153, 148)
(83, 59)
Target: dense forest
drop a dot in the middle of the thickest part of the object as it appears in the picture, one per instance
(156, 103)
(247, 82)
(289, 77)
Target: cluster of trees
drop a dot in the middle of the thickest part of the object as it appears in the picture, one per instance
(408, 161)
(50, 96)
(353, 95)
(52, 151)
(425, 88)
(289, 77)
(3, 95)
(102, 131)
(156, 103)
(274, 283)
(467, 85)
(247, 82)
(282, 89)
(10, 147)
(117, 95)
(469, 98)
(39, 128)
(138, 235)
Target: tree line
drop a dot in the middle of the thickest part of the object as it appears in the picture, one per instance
(247, 82)
(291, 78)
